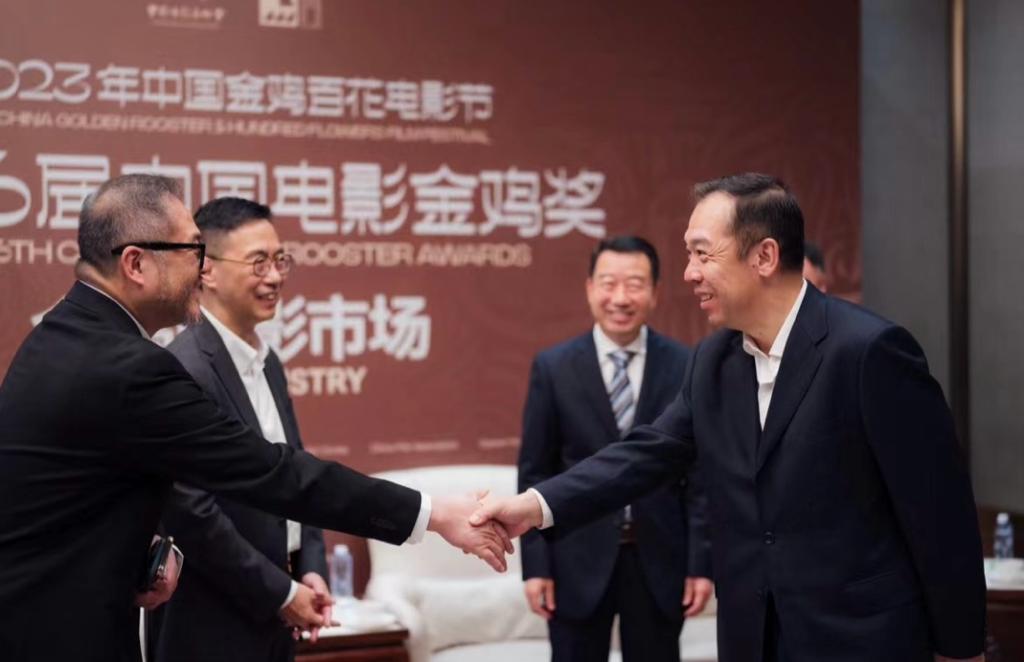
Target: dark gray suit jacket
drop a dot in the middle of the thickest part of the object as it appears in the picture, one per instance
(226, 605)
(568, 418)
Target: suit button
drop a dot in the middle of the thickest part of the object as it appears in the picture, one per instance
(769, 538)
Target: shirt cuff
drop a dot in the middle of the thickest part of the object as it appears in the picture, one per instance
(292, 590)
(549, 517)
(420, 528)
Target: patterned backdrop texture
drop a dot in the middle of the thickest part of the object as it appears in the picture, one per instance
(440, 171)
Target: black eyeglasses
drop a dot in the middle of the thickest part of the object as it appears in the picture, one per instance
(283, 262)
(199, 247)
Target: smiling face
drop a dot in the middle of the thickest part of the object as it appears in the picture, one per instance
(621, 294)
(725, 283)
(236, 295)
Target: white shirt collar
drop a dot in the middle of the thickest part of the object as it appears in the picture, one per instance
(130, 316)
(248, 360)
(779, 346)
(606, 345)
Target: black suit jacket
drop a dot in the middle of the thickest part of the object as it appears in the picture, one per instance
(226, 605)
(852, 509)
(96, 423)
(567, 418)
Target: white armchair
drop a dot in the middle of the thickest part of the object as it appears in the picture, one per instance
(459, 610)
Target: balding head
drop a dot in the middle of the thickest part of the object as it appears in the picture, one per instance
(130, 208)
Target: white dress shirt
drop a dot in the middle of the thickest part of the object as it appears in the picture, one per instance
(634, 372)
(767, 365)
(249, 362)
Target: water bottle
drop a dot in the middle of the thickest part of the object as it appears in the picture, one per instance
(1002, 544)
(341, 572)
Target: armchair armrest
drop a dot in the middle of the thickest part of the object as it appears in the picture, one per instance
(395, 592)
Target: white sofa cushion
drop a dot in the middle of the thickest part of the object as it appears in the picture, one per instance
(434, 557)
(520, 650)
(456, 608)
(466, 611)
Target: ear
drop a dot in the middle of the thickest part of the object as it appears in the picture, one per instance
(207, 279)
(766, 257)
(130, 265)
(654, 295)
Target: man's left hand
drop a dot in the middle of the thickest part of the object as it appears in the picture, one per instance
(696, 593)
(164, 587)
(324, 601)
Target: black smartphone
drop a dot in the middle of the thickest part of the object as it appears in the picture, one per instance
(156, 564)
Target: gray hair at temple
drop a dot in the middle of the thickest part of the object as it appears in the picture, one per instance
(124, 209)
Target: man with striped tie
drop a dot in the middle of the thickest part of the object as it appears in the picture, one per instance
(648, 563)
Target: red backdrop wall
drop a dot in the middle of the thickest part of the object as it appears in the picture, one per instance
(440, 170)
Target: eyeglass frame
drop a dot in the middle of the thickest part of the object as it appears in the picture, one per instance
(263, 259)
(165, 246)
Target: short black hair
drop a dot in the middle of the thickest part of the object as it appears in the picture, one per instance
(223, 215)
(123, 210)
(765, 208)
(814, 255)
(627, 244)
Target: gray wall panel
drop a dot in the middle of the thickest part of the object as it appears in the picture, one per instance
(904, 169)
(995, 118)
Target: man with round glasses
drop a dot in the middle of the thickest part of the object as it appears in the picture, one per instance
(253, 573)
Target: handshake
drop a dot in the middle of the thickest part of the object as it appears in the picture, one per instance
(484, 526)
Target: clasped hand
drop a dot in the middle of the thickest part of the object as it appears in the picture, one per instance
(449, 517)
(310, 608)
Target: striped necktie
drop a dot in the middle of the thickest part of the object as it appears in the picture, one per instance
(620, 392)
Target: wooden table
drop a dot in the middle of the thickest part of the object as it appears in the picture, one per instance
(1005, 626)
(385, 646)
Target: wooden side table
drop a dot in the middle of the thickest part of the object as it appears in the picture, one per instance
(1005, 625)
(384, 646)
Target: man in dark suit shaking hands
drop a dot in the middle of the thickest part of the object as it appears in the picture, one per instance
(844, 527)
(250, 573)
(649, 562)
(97, 421)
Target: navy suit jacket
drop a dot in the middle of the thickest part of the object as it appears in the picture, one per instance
(226, 605)
(567, 418)
(852, 509)
(96, 423)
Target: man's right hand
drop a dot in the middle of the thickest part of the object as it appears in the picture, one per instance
(305, 611)
(517, 514)
(449, 517)
(540, 593)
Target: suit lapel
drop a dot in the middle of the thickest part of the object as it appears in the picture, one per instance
(652, 380)
(212, 345)
(800, 361)
(740, 405)
(588, 374)
(274, 373)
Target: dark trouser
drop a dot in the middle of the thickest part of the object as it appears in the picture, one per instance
(773, 649)
(647, 634)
